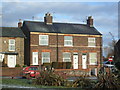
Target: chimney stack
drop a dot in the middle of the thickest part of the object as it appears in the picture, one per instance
(20, 23)
(90, 21)
(48, 19)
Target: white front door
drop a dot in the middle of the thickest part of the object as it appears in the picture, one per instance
(11, 60)
(35, 58)
(84, 61)
(75, 61)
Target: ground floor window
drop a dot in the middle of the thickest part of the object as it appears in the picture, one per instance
(66, 57)
(45, 57)
(93, 58)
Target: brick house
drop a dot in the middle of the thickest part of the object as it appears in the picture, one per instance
(48, 41)
(11, 46)
(117, 51)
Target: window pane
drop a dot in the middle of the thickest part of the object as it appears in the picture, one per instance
(66, 57)
(93, 58)
(68, 40)
(12, 41)
(68, 43)
(91, 41)
(43, 39)
(11, 47)
(43, 42)
(91, 44)
(68, 37)
(45, 57)
(35, 53)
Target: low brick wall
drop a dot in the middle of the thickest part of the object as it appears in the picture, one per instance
(11, 71)
(17, 70)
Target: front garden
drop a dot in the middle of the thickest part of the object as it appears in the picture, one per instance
(50, 79)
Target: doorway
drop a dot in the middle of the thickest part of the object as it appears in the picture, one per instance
(84, 61)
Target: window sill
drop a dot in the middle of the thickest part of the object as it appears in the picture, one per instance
(12, 50)
(92, 46)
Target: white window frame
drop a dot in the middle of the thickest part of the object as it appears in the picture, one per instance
(67, 57)
(95, 58)
(65, 40)
(89, 41)
(46, 57)
(12, 44)
(40, 40)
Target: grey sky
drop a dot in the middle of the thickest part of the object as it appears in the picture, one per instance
(105, 14)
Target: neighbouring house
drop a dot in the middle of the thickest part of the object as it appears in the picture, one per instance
(11, 46)
(117, 53)
(48, 41)
(117, 50)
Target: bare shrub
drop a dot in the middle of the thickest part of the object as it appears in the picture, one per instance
(49, 78)
(107, 81)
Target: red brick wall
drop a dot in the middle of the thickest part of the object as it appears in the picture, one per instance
(80, 45)
(11, 71)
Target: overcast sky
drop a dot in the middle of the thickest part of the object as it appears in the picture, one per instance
(105, 14)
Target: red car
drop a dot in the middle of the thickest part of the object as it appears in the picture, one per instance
(31, 71)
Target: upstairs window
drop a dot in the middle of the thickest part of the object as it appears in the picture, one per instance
(68, 41)
(45, 57)
(91, 42)
(11, 45)
(43, 39)
(66, 57)
(93, 58)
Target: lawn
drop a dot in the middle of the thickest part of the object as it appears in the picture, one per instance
(25, 83)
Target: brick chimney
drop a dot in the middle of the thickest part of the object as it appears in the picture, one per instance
(48, 19)
(90, 21)
(20, 23)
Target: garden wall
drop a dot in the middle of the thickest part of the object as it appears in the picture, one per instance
(11, 71)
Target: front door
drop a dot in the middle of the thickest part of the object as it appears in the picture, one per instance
(11, 60)
(35, 58)
(84, 61)
(75, 61)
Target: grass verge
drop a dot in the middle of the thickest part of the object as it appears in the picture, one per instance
(25, 83)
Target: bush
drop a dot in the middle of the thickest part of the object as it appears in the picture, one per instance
(49, 78)
(24, 65)
(117, 64)
(61, 65)
(107, 81)
(83, 82)
(17, 65)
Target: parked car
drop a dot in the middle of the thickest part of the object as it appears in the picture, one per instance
(31, 71)
(108, 64)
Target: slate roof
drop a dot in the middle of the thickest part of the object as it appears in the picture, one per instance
(11, 32)
(65, 28)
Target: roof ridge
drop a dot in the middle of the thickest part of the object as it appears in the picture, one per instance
(58, 23)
